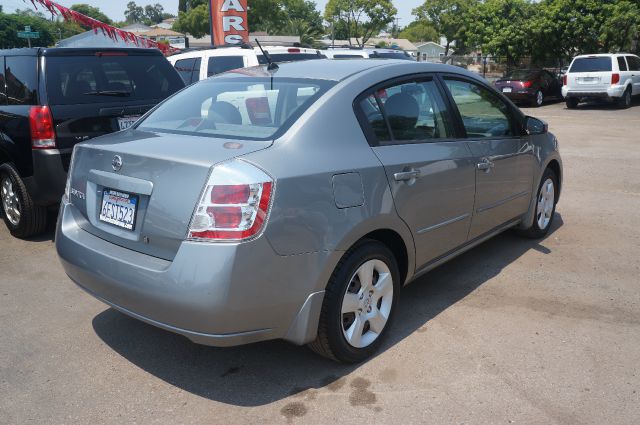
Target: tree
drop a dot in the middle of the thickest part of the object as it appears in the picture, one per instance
(361, 18)
(134, 13)
(448, 17)
(265, 15)
(194, 22)
(154, 14)
(621, 26)
(420, 31)
(92, 12)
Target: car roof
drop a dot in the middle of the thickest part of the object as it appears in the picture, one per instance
(327, 69)
(226, 51)
(77, 51)
(601, 55)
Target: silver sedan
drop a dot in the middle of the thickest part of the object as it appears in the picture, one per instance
(295, 203)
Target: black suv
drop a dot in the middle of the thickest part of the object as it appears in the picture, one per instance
(53, 98)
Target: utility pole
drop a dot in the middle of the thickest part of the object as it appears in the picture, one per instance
(397, 28)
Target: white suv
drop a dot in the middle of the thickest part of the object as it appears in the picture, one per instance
(200, 64)
(603, 76)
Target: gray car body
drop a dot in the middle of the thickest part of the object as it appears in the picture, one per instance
(331, 190)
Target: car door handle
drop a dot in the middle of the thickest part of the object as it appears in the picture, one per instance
(485, 165)
(406, 175)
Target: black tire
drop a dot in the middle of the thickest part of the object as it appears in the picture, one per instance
(331, 342)
(572, 102)
(625, 101)
(535, 231)
(534, 102)
(33, 219)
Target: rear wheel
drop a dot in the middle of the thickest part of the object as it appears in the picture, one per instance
(539, 99)
(359, 303)
(22, 217)
(625, 101)
(545, 207)
(572, 102)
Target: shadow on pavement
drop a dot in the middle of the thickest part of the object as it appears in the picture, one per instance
(262, 373)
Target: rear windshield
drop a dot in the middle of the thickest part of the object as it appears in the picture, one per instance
(347, 56)
(398, 55)
(290, 57)
(597, 64)
(97, 79)
(520, 75)
(245, 108)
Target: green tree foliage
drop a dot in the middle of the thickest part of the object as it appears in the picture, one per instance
(154, 14)
(194, 22)
(420, 31)
(50, 31)
(450, 18)
(362, 19)
(134, 13)
(92, 12)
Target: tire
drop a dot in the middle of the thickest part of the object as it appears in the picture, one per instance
(572, 102)
(349, 345)
(545, 207)
(22, 217)
(625, 101)
(538, 100)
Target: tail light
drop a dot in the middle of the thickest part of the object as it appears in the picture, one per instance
(564, 80)
(42, 134)
(294, 50)
(234, 205)
(615, 79)
(527, 84)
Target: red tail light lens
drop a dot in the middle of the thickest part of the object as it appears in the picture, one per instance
(234, 205)
(42, 133)
(527, 84)
(615, 79)
(564, 80)
(294, 50)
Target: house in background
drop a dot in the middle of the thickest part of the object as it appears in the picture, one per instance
(431, 51)
(175, 39)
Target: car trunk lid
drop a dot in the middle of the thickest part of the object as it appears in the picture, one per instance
(161, 176)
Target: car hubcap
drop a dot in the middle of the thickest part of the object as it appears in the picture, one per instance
(10, 202)
(539, 98)
(367, 303)
(546, 201)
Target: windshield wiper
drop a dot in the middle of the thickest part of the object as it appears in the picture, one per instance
(120, 93)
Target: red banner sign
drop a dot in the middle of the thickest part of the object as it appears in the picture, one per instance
(229, 22)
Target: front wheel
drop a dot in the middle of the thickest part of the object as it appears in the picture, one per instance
(359, 303)
(538, 100)
(545, 207)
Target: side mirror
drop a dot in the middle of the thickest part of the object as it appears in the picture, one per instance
(535, 126)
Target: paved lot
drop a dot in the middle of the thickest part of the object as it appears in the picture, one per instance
(514, 331)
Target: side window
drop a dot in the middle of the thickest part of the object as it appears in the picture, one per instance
(414, 110)
(483, 114)
(195, 75)
(634, 63)
(622, 64)
(21, 80)
(3, 96)
(220, 64)
(547, 77)
(185, 69)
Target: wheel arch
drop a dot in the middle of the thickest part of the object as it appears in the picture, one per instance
(554, 165)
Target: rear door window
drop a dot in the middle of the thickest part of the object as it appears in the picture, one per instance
(220, 64)
(109, 78)
(622, 64)
(21, 79)
(594, 64)
(185, 69)
(634, 63)
(3, 95)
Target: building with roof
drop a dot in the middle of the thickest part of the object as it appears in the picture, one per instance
(174, 38)
(430, 51)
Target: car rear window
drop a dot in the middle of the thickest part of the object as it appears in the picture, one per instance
(348, 56)
(220, 64)
(105, 78)
(290, 57)
(595, 64)
(391, 55)
(520, 75)
(256, 108)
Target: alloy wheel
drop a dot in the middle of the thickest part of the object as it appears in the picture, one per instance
(367, 303)
(546, 202)
(10, 201)
(539, 98)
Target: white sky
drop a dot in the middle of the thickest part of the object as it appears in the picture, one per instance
(115, 8)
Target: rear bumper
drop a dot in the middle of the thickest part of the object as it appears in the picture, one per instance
(214, 294)
(610, 93)
(520, 96)
(46, 185)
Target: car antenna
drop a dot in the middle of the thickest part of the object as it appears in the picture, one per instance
(272, 65)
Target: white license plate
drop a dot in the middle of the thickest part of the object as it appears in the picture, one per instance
(507, 90)
(127, 122)
(589, 80)
(119, 208)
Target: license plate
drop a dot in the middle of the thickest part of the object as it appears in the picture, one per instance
(119, 208)
(589, 80)
(127, 122)
(507, 90)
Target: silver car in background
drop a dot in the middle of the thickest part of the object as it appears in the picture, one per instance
(295, 203)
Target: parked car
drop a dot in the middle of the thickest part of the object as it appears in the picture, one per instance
(533, 86)
(198, 65)
(51, 99)
(613, 77)
(350, 53)
(296, 203)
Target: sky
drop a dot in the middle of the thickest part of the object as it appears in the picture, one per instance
(115, 8)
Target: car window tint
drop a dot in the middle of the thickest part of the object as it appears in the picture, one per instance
(634, 63)
(594, 64)
(548, 78)
(195, 74)
(3, 96)
(622, 64)
(220, 64)
(371, 110)
(348, 56)
(415, 111)
(483, 113)
(21, 80)
(185, 69)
